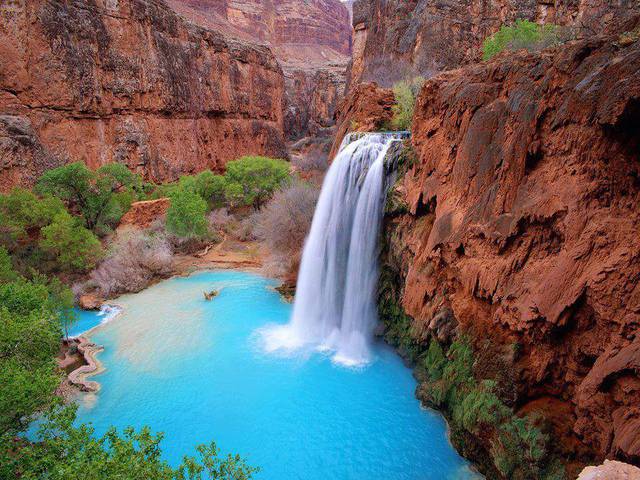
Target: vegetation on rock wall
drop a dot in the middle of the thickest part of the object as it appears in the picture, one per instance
(522, 34)
(405, 93)
(483, 426)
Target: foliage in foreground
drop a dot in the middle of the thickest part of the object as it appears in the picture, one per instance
(519, 448)
(32, 313)
(31, 316)
(64, 451)
(522, 34)
(405, 93)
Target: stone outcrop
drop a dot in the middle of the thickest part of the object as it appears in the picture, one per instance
(312, 41)
(395, 39)
(143, 214)
(129, 81)
(611, 470)
(367, 108)
(517, 224)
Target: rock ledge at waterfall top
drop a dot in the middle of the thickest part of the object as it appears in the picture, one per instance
(522, 222)
(131, 82)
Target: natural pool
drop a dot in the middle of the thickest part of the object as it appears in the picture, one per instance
(196, 371)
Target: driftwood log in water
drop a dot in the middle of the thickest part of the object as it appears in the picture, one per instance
(212, 294)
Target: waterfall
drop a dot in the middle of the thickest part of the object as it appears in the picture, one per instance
(335, 304)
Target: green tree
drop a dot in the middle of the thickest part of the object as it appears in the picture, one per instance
(522, 34)
(93, 194)
(258, 177)
(405, 93)
(64, 451)
(74, 247)
(7, 274)
(209, 186)
(29, 340)
(186, 214)
(22, 214)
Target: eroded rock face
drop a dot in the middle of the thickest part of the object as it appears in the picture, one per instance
(367, 108)
(129, 81)
(396, 39)
(311, 39)
(611, 470)
(520, 217)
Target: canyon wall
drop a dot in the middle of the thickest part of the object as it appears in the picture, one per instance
(311, 39)
(396, 39)
(516, 225)
(100, 81)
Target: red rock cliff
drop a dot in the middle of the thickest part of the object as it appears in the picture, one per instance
(395, 39)
(129, 81)
(523, 226)
(311, 39)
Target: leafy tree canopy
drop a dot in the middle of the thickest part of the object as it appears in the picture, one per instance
(93, 194)
(74, 247)
(258, 177)
(186, 214)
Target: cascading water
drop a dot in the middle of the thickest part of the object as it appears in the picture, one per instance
(335, 305)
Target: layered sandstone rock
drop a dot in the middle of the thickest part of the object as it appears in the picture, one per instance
(131, 82)
(519, 220)
(367, 108)
(394, 39)
(611, 470)
(312, 41)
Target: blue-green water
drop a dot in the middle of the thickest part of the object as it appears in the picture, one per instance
(196, 371)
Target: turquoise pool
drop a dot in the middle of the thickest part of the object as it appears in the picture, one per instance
(196, 371)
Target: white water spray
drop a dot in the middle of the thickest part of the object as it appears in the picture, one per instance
(335, 305)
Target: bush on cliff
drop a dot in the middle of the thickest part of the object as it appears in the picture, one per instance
(92, 194)
(522, 34)
(519, 449)
(405, 93)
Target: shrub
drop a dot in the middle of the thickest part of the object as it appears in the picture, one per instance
(134, 261)
(312, 161)
(257, 179)
(283, 224)
(64, 451)
(405, 96)
(186, 215)
(522, 34)
(29, 339)
(221, 220)
(91, 193)
(518, 449)
(7, 274)
(22, 213)
(481, 408)
(74, 247)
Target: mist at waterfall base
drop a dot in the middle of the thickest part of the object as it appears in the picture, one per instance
(335, 303)
(196, 370)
